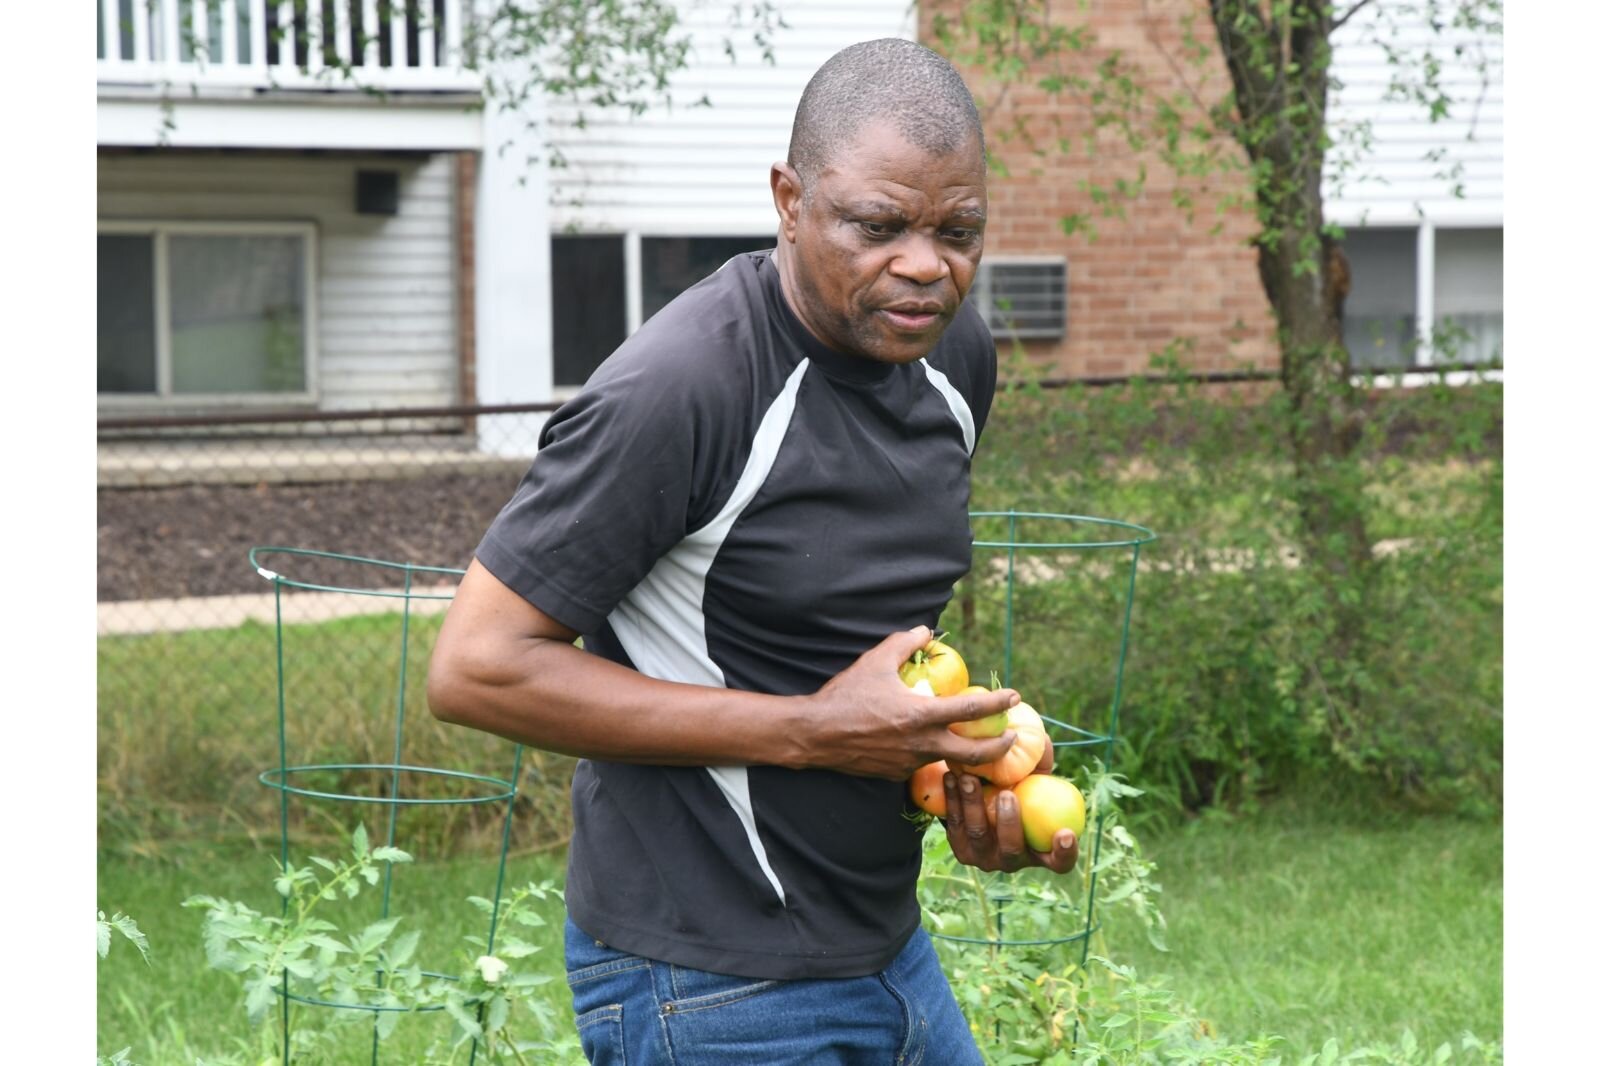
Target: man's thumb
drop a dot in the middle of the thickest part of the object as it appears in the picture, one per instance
(903, 644)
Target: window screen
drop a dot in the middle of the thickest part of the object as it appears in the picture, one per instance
(588, 301)
(1380, 312)
(669, 265)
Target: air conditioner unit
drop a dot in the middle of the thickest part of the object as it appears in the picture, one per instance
(1023, 298)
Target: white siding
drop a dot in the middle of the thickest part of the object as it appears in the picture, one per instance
(704, 170)
(1395, 181)
(386, 286)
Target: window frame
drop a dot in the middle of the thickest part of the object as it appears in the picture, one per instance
(160, 230)
(1421, 372)
(633, 272)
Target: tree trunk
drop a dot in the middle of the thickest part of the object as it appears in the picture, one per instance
(1325, 427)
(1279, 71)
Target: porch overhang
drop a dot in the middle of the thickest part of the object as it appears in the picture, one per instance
(137, 117)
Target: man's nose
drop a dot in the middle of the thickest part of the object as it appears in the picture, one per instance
(919, 261)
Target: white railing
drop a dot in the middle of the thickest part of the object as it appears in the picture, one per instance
(293, 44)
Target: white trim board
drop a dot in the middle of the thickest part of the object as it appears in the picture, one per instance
(358, 125)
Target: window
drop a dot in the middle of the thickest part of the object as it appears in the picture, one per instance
(588, 303)
(1023, 298)
(1448, 279)
(604, 286)
(1468, 296)
(672, 265)
(1380, 312)
(205, 310)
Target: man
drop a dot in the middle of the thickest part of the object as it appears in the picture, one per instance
(752, 515)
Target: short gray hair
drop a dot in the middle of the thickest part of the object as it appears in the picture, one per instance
(889, 79)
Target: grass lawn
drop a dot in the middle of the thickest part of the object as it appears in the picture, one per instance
(1302, 920)
(1309, 923)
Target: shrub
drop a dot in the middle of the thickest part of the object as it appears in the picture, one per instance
(1226, 688)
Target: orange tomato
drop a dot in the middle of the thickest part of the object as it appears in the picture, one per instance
(927, 788)
(1022, 758)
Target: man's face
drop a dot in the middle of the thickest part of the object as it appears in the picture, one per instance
(880, 254)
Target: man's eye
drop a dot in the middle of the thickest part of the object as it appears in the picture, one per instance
(961, 236)
(876, 229)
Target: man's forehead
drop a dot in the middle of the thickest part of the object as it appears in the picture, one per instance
(895, 178)
(881, 146)
(959, 193)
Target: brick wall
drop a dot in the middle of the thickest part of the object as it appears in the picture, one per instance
(1150, 278)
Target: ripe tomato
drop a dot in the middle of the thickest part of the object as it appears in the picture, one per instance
(979, 728)
(1047, 803)
(1022, 758)
(939, 665)
(927, 788)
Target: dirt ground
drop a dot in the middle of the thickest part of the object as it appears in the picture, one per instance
(194, 540)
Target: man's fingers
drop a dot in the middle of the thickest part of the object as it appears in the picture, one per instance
(973, 817)
(955, 819)
(896, 648)
(947, 709)
(1013, 845)
(1063, 854)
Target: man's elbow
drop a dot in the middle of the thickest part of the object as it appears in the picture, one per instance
(448, 691)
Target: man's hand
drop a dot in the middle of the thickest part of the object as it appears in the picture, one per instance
(866, 720)
(1001, 846)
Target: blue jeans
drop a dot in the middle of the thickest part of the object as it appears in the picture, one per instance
(633, 1011)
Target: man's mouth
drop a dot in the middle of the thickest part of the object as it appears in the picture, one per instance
(912, 318)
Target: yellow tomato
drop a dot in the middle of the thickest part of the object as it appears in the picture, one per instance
(1047, 803)
(939, 665)
(979, 728)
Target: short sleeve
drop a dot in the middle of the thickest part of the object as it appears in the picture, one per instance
(608, 493)
(643, 456)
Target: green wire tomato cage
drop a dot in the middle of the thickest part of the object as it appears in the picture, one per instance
(396, 784)
(1082, 569)
(1016, 552)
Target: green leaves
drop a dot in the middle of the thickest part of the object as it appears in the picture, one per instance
(373, 966)
(1027, 992)
(124, 926)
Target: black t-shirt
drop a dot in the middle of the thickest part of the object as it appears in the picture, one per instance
(729, 502)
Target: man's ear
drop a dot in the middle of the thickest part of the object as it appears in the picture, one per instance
(787, 193)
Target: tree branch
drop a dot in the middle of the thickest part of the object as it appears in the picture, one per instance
(1348, 15)
(1253, 87)
(1172, 63)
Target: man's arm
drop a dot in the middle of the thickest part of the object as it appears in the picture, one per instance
(503, 666)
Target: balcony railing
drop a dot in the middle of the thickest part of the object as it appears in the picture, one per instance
(352, 45)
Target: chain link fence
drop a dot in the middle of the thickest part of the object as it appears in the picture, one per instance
(188, 629)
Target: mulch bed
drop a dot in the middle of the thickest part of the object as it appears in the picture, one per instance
(194, 540)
